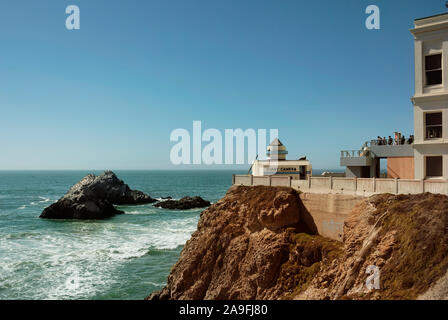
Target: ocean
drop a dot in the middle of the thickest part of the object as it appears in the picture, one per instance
(124, 257)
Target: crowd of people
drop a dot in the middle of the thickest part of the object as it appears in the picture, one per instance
(398, 140)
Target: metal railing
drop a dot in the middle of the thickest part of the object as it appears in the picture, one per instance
(382, 143)
(354, 153)
(368, 144)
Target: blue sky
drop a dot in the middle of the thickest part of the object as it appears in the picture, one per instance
(107, 96)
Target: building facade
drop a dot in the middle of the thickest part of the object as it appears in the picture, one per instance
(431, 97)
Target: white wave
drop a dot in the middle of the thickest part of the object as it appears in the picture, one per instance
(137, 212)
(44, 199)
(155, 283)
(161, 199)
(37, 266)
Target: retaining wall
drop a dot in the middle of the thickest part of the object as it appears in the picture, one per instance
(351, 186)
(328, 212)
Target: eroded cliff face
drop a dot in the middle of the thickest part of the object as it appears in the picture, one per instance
(259, 243)
(405, 236)
(239, 247)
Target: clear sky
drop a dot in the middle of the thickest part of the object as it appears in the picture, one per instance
(107, 96)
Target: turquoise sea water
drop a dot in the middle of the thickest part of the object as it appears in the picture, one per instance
(125, 257)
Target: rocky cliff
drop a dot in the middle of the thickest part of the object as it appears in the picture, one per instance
(258, 243)
(405, 236)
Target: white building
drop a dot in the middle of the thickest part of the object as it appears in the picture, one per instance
(427, 156)
(431, 97)
(276, 163)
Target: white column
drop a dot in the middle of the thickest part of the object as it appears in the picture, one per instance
(418, 53)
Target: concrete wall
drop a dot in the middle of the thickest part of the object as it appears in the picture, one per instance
(328, 212)
(435, 186)
(400, 168)
(386, 186)
(348, 186)
(344, 185)
(355, 161)
(361, 172)
(302, 185)
(365, 185)
(318, 183)
(245, 180)
(261, 181)
(352, 172)
(410, 186)
(277, 181)
(389, 151)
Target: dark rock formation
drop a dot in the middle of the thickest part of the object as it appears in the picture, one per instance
(184, 203)
(93, 198)
(67, 208)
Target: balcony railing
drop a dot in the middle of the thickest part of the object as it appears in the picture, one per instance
(354, 153)
(386, 143)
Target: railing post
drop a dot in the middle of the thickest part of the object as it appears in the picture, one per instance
(270, 180)
(356, 184)
(331, 182)
(233, 179)
(374, 184)
(290, 179)
(309, 183)
(251, 180)
(423, 185)
(396, 186)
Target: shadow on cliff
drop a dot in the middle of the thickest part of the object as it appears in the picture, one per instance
(307, 224)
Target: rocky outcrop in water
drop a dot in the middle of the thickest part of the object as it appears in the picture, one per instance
(93, 198)
(256, 243)
(184, 203)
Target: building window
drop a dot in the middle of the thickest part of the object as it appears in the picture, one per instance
(434, 166)
(433, 69)
(433, 123)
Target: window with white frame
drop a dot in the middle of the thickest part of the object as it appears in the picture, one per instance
(433, 69)
(433, 123)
